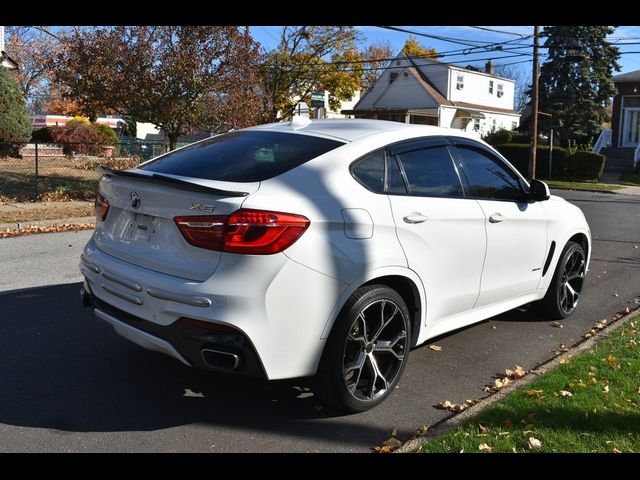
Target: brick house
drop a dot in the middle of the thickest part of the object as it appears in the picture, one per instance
(625, 118)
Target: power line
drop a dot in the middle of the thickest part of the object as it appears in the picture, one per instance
(436, 37)
(499, 31)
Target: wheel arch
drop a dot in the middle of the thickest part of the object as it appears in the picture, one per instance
(404, 281)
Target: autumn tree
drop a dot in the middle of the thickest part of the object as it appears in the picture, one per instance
(413, 47)
(176, 77)
(308, 59)
(377, 57)
(33, 48)
(576, 82)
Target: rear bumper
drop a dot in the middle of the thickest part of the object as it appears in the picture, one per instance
(227, 351)
(276, 307)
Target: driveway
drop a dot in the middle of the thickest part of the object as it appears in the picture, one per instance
(69, 383)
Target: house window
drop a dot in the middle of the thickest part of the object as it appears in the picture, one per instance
(514, 125)
(476, 124)
(490, 87)
(392, 77)
(500, 91)
(631, 102)
(460, 82)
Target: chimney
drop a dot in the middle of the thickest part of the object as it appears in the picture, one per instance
(488, 68)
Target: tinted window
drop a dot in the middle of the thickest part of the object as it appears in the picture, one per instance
(370, 171)
(395, 183)
(488, 177)
(246, 156)
(431, 172)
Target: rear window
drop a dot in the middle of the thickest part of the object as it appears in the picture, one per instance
(245, 156)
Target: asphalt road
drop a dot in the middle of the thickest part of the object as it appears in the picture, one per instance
(69, 383)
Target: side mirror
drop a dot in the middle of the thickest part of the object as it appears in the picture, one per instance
(538, 191)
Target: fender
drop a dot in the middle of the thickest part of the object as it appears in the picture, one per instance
(368, 277)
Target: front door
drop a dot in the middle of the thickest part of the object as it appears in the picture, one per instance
(630, 127)
(516, 230)
(442, 232)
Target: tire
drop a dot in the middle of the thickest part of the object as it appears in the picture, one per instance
(565, 290)
(367, 350)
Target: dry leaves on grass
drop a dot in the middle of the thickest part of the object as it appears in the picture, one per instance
(535, 393)
(52, 229)
(534, 443)
(498, 384)
(388, 446)
(565, 393)
(435, 348)
(483, 447)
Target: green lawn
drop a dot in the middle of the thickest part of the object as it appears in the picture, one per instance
(590, 404)
(582, 185)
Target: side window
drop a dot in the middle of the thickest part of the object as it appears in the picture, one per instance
(431, 172)
(369, 171)
(488, 177)
(395, 182)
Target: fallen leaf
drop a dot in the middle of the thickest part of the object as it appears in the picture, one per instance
(615, 450)
(394, 433)
(626, 311)
(556, 324)
(483, 447)
(384, 449)
(564, 361)
(612, 360)
(616, 295)
(452, 407)
(565, 393)
(519, 372)
(534, 443)
(435, 348)
(422, 430)
(483, 428)
(392, 443)
(529, 427)
(500, 383)
(605, 389)
(493, 327)
(534, 393)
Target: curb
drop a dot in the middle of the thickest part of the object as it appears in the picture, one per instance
(452, 421)
(614, 192)
(47, 223)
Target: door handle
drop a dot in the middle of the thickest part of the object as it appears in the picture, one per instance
(415, 217)
(496, 218)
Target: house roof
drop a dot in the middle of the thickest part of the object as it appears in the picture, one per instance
(628, 77)
(7, 61)
(485, 108)
(427, 84)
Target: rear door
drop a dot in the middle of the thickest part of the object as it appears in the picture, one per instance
(442, 233)
(516, 229)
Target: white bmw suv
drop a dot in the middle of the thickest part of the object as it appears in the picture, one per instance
(327, 248)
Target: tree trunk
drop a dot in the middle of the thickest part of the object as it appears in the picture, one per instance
(173, 139)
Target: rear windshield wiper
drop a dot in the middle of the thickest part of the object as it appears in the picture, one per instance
(160, 178)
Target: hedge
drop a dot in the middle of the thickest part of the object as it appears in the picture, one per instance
(581, 165)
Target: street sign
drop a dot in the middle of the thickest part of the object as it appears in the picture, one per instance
(318, 96)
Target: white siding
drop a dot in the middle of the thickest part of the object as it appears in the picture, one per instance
(476, 89)
(346, 105)
(406, 92)
(503, 121)
(446, 117)
(375, 92)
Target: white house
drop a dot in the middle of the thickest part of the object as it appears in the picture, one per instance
(5, 60)
(428, 92)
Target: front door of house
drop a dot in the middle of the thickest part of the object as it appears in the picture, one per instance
(631, 127)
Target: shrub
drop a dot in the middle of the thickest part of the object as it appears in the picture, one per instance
(585, 165)
(42, 135)
(109, 136)
(499, 137)
(518, 155)
(79, 137)
(15, 123)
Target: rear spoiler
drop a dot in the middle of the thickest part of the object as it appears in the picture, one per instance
(176, 182)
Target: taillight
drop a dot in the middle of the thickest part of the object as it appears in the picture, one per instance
(101, 206)
(256, 232)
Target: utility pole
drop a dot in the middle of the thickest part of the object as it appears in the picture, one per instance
(534, 106)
